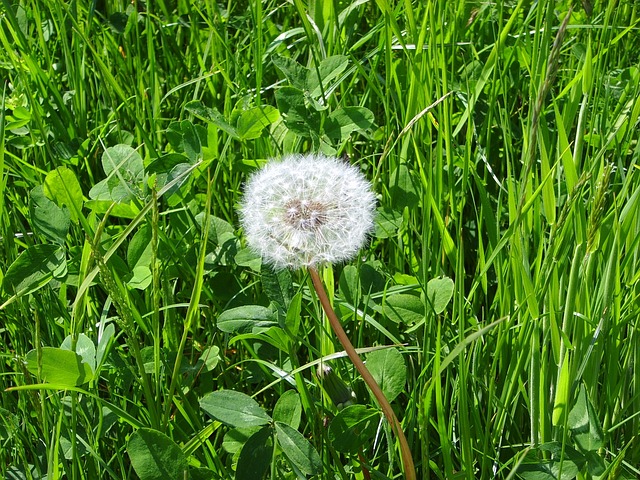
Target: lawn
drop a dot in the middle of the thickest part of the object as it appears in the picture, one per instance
(492, 285)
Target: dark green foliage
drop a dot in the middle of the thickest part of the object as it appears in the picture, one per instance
(496, 301)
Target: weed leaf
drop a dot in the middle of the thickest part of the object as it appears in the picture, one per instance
(297, 117)
(84, 347)
(211, 115)
(584, 425)
(328, 70)
(234, 408)
(252, 122)
(388, 222)
(255, 456)
(61, 186)
(298, 449)
(439, 293)
(342, 122)
(60, 367)
(405, 308)
(34, 268)
(288, 409)
(155, 456)
(246, 318)
(184, 138)
(295, 73)
(125, 173)
(388, 368)
(47, 218)
(352, 427)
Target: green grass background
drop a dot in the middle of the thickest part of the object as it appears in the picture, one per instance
(521, 184)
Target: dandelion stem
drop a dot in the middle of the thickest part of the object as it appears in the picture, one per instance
(407, 459)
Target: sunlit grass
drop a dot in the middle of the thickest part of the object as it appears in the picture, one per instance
(503, 148)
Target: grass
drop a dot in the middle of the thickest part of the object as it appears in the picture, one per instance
(503, 147)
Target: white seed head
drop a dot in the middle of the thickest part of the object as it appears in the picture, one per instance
(307, 210)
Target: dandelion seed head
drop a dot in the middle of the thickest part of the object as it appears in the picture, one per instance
(306, 210)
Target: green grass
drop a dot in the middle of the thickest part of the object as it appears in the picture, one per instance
(505, 155)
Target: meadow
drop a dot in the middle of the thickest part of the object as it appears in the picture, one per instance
(496, 301)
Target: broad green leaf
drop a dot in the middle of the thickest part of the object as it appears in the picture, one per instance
(288, 409)
(595, 463)
(84, 347)
(60, 367)
(298, 450)
(234, 408)
(209, 358)
(100, 193)
(255, 456)
(122, 157)
(297, 117)
(328, 70)
(584, 425)
(404, 279)
(371, 277)
(342, 122)
(48, 220)
(349, 284)
(439, 293)
(235, 438)
(121, 210)
(21, 118)
(67, 448)
(61, 186)
(139, 250)
(246, 318)
(141, 277)
(403, 307)
(125, 173)
(34, 268)
(252, 122)
(165, 163)
(154, 456)
(278, 285)
(277, 337)
(295, 73)
(224, 252)
(388, 368)
(197, 108)
(387, 222)
(184, 138)
(292, 320)
(549, 469)
(218, 228)
(246, 257)
(402, 188)
(352, 427)
(177, 177)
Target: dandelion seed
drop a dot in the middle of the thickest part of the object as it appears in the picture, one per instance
(307, 210)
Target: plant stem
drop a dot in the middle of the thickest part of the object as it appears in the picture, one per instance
(407, 459)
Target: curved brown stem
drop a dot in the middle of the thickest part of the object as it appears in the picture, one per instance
(407, 459)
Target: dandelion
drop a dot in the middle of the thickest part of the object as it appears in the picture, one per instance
(307, 210)
(310, 210)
